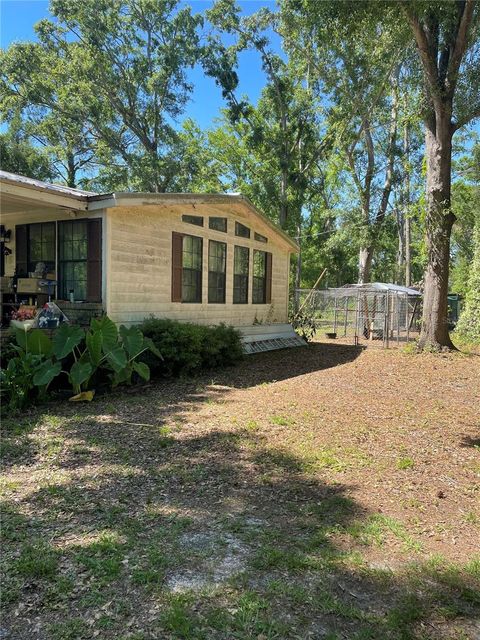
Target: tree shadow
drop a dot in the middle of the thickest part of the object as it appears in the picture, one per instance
(195, 533)
(468, 441)
(282, 364)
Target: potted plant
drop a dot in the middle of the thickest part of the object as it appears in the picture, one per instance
(22, 318)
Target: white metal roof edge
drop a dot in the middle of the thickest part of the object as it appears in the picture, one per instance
(46, 187)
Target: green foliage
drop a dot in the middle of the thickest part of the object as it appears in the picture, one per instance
(104, 347)
(468, 327)
(18, 155)
(188, 348)
(17, 388)
(66, 338)
(9, 349)
(38, 360)
(304, 323)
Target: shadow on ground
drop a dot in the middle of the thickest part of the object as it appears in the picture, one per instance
(147, 526)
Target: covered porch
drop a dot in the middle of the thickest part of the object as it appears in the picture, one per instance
(51, 250)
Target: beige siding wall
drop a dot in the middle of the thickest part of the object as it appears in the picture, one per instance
(139, 265)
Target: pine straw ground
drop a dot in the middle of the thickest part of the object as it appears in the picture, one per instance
(322, 492)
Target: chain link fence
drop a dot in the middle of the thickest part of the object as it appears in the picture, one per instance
(362, 313)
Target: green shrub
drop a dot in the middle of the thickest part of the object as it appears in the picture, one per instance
(188, 348)
(8, 349)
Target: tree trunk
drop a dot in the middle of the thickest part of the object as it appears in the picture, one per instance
(439, 221)
(408, 254)
(298, 271)
(399, 274)
(406, 235)
(364, 264)
(71, 171)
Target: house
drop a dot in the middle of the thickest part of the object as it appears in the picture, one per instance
(203, 258)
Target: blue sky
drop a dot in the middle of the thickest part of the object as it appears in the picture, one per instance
(18, 17)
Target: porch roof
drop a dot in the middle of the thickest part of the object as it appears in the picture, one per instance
(19, 194)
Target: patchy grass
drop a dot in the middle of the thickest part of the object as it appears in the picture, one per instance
(325, 492)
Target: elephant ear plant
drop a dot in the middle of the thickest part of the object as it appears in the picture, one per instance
(39, 359)
(105, 347)
(32, 370)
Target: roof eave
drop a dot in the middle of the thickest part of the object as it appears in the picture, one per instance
(109, 200)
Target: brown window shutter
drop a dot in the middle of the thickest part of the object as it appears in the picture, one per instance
(177, 250)
(21, 250)
(94, 261)
(268, 285)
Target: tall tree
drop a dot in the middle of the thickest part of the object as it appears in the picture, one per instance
(355, 73)
(127, 61)
(446, 35)
(18, 155)
(40, 102)
(282, 128)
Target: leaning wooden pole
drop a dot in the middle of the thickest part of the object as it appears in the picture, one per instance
(311, 293)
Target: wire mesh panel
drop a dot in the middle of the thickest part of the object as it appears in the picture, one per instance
(362, 314)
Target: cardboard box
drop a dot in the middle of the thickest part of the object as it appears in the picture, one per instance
(29, 285)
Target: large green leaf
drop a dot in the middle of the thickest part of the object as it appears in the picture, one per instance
(142, 369)
(21, 337)
(132, 339)
(149, 344)
(108, 329)
(122, 376)
(94, 342)
(117, 358)
(46, 372)
(38, 343)
(80, 372)
(65, 339)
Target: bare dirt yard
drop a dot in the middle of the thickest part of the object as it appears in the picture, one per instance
(325, 492)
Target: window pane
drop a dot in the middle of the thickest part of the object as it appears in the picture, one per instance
(217, 266)
(218, 224)
(41, 245)
(260, 238)
(259, 288)
(241, 230)
(192, 269)
(240, 275)
(196, 220)
(73, 253)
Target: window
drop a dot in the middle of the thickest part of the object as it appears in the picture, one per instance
(260, 238)
(72, 256)
(241, 259)
(34, 243)
(241, 230)
(192, 269)
(259, 277)
(218, 224)
(196, 220)
(217, 269)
